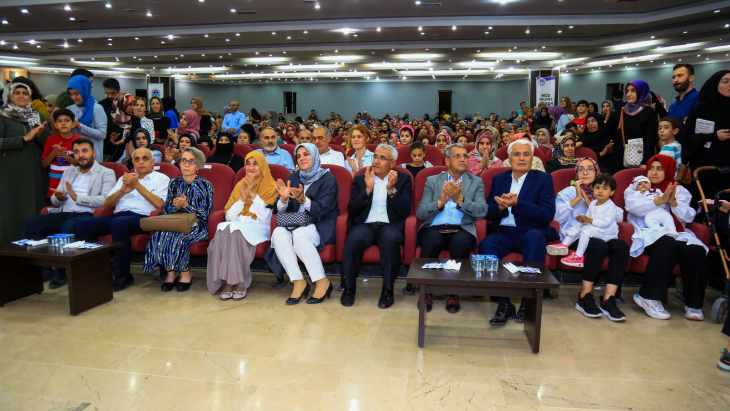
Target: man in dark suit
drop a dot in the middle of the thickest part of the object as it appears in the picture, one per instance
(521, 205)
(379, 204)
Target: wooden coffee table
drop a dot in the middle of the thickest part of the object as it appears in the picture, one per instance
(502, 284)
(89, 273)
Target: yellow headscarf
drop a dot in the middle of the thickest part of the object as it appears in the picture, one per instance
(265, 186)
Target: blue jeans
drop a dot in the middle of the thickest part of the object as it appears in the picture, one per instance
(122, 227)
(40, 226)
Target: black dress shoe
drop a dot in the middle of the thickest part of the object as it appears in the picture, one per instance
(520, 317)
(313, 300)
(386, 298)
(409, 289)
(48, 273)
(280, 282)
(167, 287)
(304, 294)
(182, 287)
(348, 297)
(58, 280)
(504, 312)
(122, 282)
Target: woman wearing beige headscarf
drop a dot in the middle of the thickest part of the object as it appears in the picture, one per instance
(203, 115)
(248, 223)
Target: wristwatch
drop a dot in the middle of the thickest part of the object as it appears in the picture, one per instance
(392, 193)
(460, 205)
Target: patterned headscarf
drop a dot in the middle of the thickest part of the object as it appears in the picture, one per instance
(587, 188)
(23, 114)
(316, 171)
(119, 110)
(643, 97)
(488, 135)
(558, 151)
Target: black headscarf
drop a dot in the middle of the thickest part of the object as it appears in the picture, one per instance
(205, 139)
(170, 104)
(255, 114)
(146, 134)
(224, 154)
(658, 106)
(248, 128)
(592, 140)
(191, 136)
(714, 103)
(544, 121)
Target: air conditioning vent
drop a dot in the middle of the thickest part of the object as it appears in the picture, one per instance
(429, 5)
(247, 12)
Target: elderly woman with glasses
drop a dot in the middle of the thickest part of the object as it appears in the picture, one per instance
(188, 194)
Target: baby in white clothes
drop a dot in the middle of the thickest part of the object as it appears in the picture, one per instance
(659, 217)
(599, 221)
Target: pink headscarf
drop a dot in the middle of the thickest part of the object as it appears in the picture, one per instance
(193, 124)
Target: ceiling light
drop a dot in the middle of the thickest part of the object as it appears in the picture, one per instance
(5, 22)
(420, 28)
(687, 46)
(24, 11)
(136, 38)
(206, 35)
(228, 39)
(162, 42)
(80, 41)
(486, 32)
(238, 34)
(273, 32)
(378, 29)
(525, 55)
(110, 44)
(108, 5)
(527, 31)
(316, 5)
(72, 18)
(718, 48)
(717, 11)
(68, 8)
(65, 45)
(453, 27)
(170, 37)
(570, 27)
(634, 45)
(32, 41)
(418, 3)
(560, 31)
(684, 32)
(15, 46)
(149, 14)
(305, 31)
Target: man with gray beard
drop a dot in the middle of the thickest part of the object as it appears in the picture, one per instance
(273, 153)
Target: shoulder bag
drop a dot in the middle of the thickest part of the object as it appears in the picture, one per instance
(634, 150)
(176, 223)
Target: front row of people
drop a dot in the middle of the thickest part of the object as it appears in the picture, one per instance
(521, 204)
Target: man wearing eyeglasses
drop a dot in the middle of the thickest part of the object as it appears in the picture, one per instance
(379, 205)
(521, 207)
(322, 136)
(133, 198)
(451, 202)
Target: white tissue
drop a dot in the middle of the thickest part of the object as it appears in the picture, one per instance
(452, 265)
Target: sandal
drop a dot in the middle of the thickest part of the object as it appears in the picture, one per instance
(452, 304)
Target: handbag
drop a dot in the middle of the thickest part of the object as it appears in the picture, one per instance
(634, 150)
(684, 175)
(176, 223)
(295, 220)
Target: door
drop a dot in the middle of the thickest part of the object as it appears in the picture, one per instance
(444, 102)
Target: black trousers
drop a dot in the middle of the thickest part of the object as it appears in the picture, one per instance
(53, 223)
(726, 326)
(617, 252)
(664, 254)
(386, 237)
(122, 226)
(460, 244)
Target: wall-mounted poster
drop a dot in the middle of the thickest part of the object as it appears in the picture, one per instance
(155, 90)
(545, 90)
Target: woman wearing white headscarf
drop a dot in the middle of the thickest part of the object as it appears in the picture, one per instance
(313, 192)
(23, 133)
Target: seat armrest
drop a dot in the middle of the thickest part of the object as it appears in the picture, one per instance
(103, 211)
(701, 231)
(215, 218)
(45, 210)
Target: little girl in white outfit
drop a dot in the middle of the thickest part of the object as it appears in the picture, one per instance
(599, 221)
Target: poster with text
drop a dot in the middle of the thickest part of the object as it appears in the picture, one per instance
(545, 89)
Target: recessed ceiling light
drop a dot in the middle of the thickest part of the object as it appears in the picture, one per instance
(109, 44)
(316, 5)
(65, 45)
(15, 46)
(423, 33)
(32, 41)
(684, 32)
(80, 41)
(305, 31)
(238, 34)
(149, 14)
(228, 39)
(570, 27)
(486, 32)
(5, 22)
(418, 3)
(490, 27)
(717, 11)
(257, 52)
(527, 31)
(420, 28)
(206, 35)
(170, 37)
(68, 8)
(162, 42)
(24, 11)
(560, 31)
(233, 10)
(72, 18)
(108, 5)
(136, 38)
(273, 32)
(453, 27)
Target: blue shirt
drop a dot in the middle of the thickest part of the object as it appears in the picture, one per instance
(234, 121)
(450, 215)
(97, 131)
(278, 156)
(681, 108)
(367, 160)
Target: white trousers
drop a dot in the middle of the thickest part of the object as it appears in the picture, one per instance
(301, 243)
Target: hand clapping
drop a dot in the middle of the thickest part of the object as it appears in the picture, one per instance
(392, 179)
(369, 180)
(60, 196)
(506, 201)
(453, 190)
(180, 202)
(284, 190)
(71, 191)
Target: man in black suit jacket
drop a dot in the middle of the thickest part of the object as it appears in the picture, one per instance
(379, 204)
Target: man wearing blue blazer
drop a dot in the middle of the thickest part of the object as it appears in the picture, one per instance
(521, 205)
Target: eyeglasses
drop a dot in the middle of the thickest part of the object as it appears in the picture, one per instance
(382, 158)
(459, 156)
(190, 162)
(586, 170)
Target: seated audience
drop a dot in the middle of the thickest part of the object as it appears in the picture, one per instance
(160, 121)
(172, 155)
(521, 206)
(482, 157)
(305, 136)
(272, 152)
(133, 197)
(224, 153)
(311, 191)
(418, 153)
(362, 157)
(451, 201)
(322, 136)
(140, 139)
(667, 245)
(189, 194)
(536, 162)
(563, 154)
(248, 223)
(81, 189)
(379, 204)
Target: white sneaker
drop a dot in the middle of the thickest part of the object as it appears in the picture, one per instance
(239, 295)
(225, 296)
(653, 308)
(693, 314)
(557, 249)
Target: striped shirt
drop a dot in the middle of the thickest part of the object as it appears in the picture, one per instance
(673, 150)
(59, 164)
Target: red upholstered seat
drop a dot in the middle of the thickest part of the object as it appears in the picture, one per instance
(204, 149)
(118, 168)
(238, 149)
(546, 151)
(582, 152)
(161, 148)
(338, 148)
(290, 149)
(470, 147)
(433, 155)
(167, 169)
(221, 176)
(372, 253)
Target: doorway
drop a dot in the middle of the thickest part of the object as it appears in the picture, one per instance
(611, 88)
(444, 102)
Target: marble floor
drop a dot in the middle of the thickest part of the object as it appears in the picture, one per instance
(146, 350)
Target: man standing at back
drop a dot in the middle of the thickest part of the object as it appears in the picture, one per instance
(682, 78)
(112, 90)
(322, 137)
(233, 121)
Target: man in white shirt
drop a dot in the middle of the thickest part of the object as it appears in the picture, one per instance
(379, 205)
(81, 189)
(133, 198)
(521, 205)
(322, 136)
